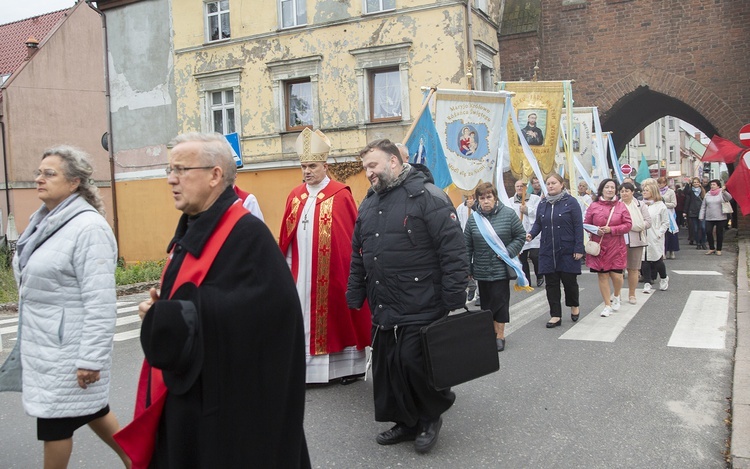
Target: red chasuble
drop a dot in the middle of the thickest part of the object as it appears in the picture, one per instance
(333, 326)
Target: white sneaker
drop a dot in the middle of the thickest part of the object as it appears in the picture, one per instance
(664, 283)
(615, 303)
(647, 288)
(606, 312)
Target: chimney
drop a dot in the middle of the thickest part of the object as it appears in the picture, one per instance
(32, 45)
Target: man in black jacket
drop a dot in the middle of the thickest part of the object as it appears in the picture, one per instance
(409, 262)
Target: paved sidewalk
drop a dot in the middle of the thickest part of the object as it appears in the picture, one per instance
(740, 445)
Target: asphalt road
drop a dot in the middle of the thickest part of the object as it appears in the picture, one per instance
(603, 393)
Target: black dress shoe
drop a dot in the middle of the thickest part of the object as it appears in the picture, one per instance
(539, 281)
(500, 344)
(397, 434)
(347, 380)
(551, 324)
(574, 317)
(427, 439)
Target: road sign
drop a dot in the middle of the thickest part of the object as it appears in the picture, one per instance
(626, 169)
(234, 142)
(745, 135)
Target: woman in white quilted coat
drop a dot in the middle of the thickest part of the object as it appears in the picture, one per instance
(64, 266)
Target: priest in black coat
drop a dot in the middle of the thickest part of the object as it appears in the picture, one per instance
(225, 330)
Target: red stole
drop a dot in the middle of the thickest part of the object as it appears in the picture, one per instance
(138, 438)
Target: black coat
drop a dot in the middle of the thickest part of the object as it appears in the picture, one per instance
(693, 203)
(247, 406)
(408, 255)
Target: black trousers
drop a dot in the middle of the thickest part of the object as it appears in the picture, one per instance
(650, 267)
(532, 254)
(401, 391)
(719, 234)
(554, 296)
(495, 296)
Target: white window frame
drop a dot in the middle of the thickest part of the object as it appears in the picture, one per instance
(379, 57)
(224, 107)
(284, 71)
(218, 15)
(381, 10)
(211, 82)
(672, 154)
(294, 16)
(485, 65)
(481, 5)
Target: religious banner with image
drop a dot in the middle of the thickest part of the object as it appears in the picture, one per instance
(583, 141)
(538, 107)
(469, 125)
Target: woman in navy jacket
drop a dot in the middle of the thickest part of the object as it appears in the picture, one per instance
(559, 220)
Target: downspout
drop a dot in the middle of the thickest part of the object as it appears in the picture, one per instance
(5, 172)
(110, 146)
(469, 48)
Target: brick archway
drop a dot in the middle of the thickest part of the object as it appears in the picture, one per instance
(642, 97)
(638, 60)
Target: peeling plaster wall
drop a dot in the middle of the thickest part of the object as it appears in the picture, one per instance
(437, 56)
(141, 68)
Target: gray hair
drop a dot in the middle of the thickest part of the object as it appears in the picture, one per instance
(77, 165)
(215, 152)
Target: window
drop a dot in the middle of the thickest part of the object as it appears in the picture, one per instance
(299, 104)
(292, 13)
(385, 95)
(220, 97)
(672, 154)
(382, 80)
(217, 20)
(376, 6)
(671, 123)
(484, 66)
(642, 137)
(295, 92)
(481, 5)
(222, 111)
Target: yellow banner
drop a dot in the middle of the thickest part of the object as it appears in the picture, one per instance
(538, 106)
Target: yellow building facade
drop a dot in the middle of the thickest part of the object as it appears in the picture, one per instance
(354, 70)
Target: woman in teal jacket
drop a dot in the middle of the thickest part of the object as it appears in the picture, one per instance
(485, 266)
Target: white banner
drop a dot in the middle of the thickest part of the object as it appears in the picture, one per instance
(469, 124)
(582, 144)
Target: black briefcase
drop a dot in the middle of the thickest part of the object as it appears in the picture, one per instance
(459, 348)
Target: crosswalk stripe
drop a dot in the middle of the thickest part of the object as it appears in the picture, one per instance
(132, 334)
(696, 272)
(9, 321)
(703, 321)
(593, 327)
(129, 309)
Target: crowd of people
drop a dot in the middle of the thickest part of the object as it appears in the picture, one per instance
(227, 365)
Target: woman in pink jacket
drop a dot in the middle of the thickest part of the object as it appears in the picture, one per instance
(613, 256)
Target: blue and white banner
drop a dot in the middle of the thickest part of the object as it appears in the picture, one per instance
(469, 124)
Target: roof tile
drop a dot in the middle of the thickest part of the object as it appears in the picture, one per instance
(13, 37)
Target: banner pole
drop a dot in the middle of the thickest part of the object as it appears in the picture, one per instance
(416, 119)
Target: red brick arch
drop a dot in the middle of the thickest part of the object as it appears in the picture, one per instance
(638, 99)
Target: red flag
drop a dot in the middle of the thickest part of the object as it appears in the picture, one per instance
(739, 185)
(720, 150)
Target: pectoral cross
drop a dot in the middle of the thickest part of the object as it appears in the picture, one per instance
(304, 223)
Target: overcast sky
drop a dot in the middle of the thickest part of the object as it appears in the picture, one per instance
(14, 10)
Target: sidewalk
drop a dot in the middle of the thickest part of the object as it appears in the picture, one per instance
(740, 443)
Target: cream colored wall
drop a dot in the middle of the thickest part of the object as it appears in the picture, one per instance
(434, 59)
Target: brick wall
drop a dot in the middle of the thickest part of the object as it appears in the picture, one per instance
(694, 51)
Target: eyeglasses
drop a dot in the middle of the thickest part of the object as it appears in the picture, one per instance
(47, 173)
(180, 170)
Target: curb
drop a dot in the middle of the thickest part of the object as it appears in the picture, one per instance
(740, 432)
